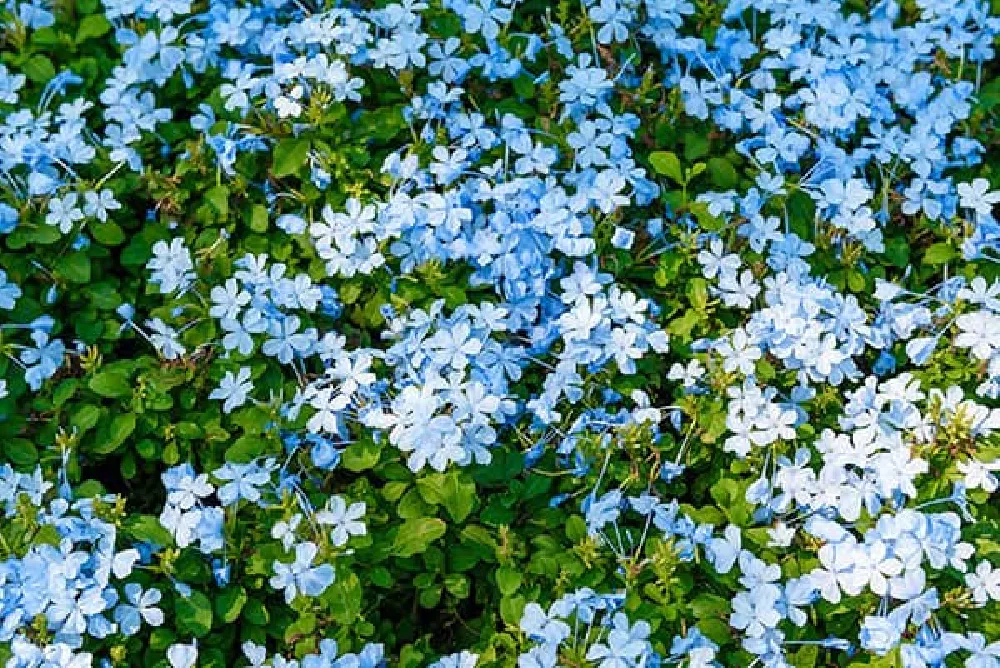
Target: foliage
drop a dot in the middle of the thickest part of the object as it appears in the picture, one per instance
(618, 333)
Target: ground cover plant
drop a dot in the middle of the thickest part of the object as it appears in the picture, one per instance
(455, 333)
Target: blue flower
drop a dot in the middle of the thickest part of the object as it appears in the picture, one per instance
(8, 217)
(9, 292)
(233, 389)
(43, 360)
(623, 238)
(182, 656)
(63, 212)
(140, 606)
(879, 634)
(244, 481)
(300, 577)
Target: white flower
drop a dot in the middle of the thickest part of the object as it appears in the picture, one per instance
(233, 389)
(978, 333)
(976, 196)
(980, 475)
(984, 583)
(343, 519)
(182, 656)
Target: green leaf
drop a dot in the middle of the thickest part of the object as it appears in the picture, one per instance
(430, 597)
(576, 528)
(289, 155)
(410, 657)
(805, 657)
(148, 528)
(855, 280)
(193, 614)
(731, 498)
(252, 419)
(350, 292)
(64, 391)
(501, 470)
(940, 253)
(112, 384)
(382, 123)
(85, 417)
(246, 449)
(452, 490)
(989, 95)
(107, 234)
(458, 585)
(255, 612)
(890, 660)
(361, 456)
(46, 234)
(683, 325)
(511, 609)
(697, 292)
(696, 145)
(75, 268)
(705, 218)
(121, 428)
(481, 540)
(21, 453)
(415, 536)
(412, 506)
(258, 219)
(696, 169)
(303, 626)
(137, 252)
(667, 164)
(218, 198)
(897, 250)
(229, 603)
(39, 69)
(524, 86)
(722, 173)
(508, 579)
(801, 213)
(95, 25)
(709, 605)
(48, 535)
(344, 597)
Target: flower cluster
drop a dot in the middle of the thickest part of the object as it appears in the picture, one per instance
(351, 335)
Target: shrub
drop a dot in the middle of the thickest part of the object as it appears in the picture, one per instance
(455, 333)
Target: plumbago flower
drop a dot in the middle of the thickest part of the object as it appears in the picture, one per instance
(301, 576)
(475, 332)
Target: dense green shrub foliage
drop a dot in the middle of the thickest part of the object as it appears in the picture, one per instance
(617, 333)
